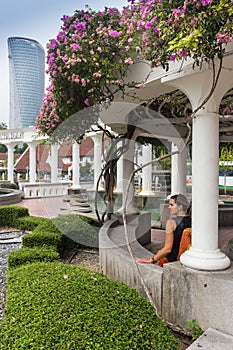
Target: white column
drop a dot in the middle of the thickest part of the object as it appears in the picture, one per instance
(75, 165)
(32, 162)
(97, 138)
(204, 253)
(119, 176)
(10, 162)
(179, 169)
(147, 171)
(128, 168)
(54, 163)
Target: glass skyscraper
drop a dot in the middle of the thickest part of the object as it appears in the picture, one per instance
(27, 81)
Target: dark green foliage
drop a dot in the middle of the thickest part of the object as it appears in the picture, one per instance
(76, 229)
(56, 306)
(29, 255)
(90, 221)
(61, 234)
(53, 306)
(42, 239)
(12, 186)
(47, 226)
(46, 234)
(29, 223)
(10, 213)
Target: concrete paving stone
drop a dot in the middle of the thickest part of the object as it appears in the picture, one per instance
(81, 210)
(213, 339)
(79, 204)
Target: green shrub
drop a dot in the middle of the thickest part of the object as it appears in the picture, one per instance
(41, 239)
(47, 226)
(63, 307)
(29, 255)
(90, 221)
(12, 186)
(29, 223)
(10, 213)
(76, 229)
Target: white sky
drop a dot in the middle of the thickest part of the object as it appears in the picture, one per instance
(34, 19)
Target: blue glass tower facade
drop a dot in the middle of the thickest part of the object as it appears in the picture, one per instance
(27, 81)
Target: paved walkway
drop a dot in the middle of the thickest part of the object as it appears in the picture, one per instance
(46, 207)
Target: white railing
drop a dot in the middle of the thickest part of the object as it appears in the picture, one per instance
(45, 190)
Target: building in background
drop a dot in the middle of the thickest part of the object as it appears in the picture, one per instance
(27, 81)
(65, 160)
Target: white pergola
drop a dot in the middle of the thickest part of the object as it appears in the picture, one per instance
(13, 137)
(208, 127)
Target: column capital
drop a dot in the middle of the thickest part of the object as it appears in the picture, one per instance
(96, 137)
(32, 142)
(10, 146)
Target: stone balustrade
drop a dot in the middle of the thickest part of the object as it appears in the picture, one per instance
(37, 190)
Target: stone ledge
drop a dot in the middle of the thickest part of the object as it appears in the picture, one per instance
(204, 296)
(213, 340)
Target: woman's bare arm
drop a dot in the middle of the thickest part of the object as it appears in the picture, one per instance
(169, 240)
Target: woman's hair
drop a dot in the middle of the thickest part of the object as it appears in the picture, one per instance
(180, 199)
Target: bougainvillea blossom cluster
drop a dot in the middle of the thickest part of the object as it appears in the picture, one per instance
(87, 63)
(89, 59)
(166, 31)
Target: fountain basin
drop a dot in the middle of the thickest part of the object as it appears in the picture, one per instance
(9, 196)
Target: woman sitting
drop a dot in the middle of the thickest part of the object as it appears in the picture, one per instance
(179, 209)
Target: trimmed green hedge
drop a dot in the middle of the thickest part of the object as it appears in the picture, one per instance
(40, 239)
(10, 213)
(80, 231)
(11, 186)
(29, 223)
(63, 233)
(45, 243)
(55, 306)
(90, 221)
(30, 255)
(47, 226)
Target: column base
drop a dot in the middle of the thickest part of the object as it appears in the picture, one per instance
(205, 260)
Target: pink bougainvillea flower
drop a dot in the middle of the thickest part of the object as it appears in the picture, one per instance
(205, 2)
(224, 38)
(75, 47)
(114, 33)
(129, 60)
(183, 53)
(172, 58)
